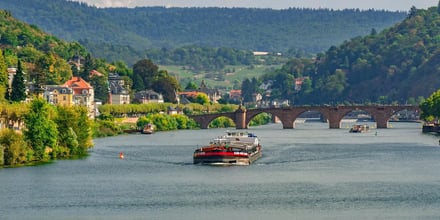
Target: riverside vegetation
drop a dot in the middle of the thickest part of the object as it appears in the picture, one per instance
(51, 132)
(402, 57)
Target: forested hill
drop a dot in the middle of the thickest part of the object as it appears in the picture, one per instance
(399, 64)
(126, 32)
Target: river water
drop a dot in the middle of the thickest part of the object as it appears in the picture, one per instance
(310, 172)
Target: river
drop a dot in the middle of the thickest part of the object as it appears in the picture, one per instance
(310, 172)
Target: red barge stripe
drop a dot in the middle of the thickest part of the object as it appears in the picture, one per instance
(223, 154)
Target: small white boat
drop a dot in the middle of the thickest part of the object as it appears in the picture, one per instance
(148, 129)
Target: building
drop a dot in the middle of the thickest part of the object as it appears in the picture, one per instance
(148, 96)
(83, 93)
(235, 95)
(118, 91)
(58, 95)
(213, 94)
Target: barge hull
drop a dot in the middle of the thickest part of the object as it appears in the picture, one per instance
(222, 160)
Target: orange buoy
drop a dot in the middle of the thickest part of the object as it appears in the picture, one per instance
(121, 155)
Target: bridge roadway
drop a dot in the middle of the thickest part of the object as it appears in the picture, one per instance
(287, 115)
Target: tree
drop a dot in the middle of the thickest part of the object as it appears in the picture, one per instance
(74, 129)
(201, 98)
(144, 72)
(41, 132)
(83, 130)
(18, 92)
(44, 68)
(100, 87)
(191, 86)
(166, 85)
(13, 147)
(431, 107)
(247, 90)
(3, 69)
(4, 85)
(88, 66)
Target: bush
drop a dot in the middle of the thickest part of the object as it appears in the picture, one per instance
(15, 150)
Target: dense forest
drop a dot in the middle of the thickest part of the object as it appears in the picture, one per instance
(126, 33)
(398, 65)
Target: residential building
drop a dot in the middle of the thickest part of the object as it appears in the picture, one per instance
(213, 94)
(235, 95)
(118, 91)
(58, 95)
(148, 96)
(83, 93)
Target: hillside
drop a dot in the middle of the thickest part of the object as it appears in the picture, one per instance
(38, 51)
(124, 34)
(400, 64)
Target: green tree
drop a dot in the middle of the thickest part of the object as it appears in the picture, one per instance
(191, 86)
(431, 107)
(88, 66)
(4, 86)
(247, 90)
(100, 87)
(41, 132)
(44, 70)
(202, 99)
(83, 130)
(166, 85)
(18, 92)
(13, 147)
(144, 72)
(67, 139)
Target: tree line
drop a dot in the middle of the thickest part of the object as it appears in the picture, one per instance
(50, 132)
(134, 30)
(396, 65)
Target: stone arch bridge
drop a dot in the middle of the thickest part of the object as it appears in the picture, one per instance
(287, 115)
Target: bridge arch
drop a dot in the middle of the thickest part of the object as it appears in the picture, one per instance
(205, 120)
(287, 116)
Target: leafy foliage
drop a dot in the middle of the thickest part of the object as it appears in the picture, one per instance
(134, 30)
(74, 133)
(396, 65)
(165, 122)
(41, 132)
(431, 107)
(13, 148)
(18, 92)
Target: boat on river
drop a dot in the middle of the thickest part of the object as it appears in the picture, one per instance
(233, 148)
(148, 129)
(358, 128)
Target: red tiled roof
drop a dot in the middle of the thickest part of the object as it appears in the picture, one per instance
(78, 85)
(234, 93)
(77, 82)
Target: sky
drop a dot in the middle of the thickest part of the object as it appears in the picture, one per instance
(391, 5)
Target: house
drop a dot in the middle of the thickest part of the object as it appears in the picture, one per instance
(235, 95)
(83, 93)
(213, 94)
(118, 91)
(148, 96)
(257, 97)
(58, 95)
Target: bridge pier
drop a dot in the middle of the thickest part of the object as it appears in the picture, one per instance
(287, 116)
(240, 118)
